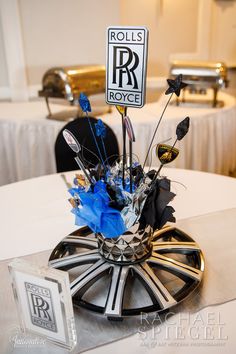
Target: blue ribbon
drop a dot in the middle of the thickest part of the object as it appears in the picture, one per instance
(95, 212)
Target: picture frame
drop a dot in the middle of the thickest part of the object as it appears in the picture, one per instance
(44, 302)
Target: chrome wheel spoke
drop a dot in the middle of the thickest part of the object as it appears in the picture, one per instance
(175, 246)
(76, 259)
(116, 292)
(154, 286)
(179, 268)
(90, 276)
(159, 233)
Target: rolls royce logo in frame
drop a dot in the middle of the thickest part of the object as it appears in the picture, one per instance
(126, 66)
(41, 306)
(44, 303)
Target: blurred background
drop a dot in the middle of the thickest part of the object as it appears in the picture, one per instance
(36, 35)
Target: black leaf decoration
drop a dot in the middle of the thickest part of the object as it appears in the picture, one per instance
(182, 128)
(156, 213)
(167, 215)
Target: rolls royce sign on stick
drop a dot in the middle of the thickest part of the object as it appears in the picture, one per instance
(126, 66)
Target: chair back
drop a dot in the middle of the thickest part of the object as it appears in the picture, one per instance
(81, 130)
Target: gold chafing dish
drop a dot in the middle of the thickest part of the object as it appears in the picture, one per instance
(200, 76)
(68, 82)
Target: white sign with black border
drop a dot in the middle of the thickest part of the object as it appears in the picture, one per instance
(126, 66)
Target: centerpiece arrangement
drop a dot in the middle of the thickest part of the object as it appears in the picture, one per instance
(125, 207)
(123, 199)
(125, 261)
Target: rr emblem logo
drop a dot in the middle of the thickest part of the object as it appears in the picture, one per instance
(126, 66)
(41, 306)
(125, 61)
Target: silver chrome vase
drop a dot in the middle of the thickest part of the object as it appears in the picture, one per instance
(133, 246)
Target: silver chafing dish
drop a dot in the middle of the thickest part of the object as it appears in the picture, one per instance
(66, 83)
(200, 76)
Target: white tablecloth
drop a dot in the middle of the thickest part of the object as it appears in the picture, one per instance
(35, 215)
(27, 138)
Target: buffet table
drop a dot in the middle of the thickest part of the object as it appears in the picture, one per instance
(35, 216)
(27, 138)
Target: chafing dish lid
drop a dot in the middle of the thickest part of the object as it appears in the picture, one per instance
(199, 68)
(69, 81)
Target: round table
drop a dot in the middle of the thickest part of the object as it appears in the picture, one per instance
(35, 216)
(27, 138)
(35, 213)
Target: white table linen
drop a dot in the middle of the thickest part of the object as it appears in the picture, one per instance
(35, 215)
(27, 138)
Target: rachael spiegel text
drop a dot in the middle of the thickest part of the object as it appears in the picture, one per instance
(182, 330)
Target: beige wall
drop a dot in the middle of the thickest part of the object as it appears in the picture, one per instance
(223, 38)
(64, 32)
(223, 31)
(67, 32)
(172, 25)
(3, 66)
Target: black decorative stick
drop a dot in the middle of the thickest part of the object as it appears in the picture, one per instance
(155, 131)
(175, 86)
(181, 130)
